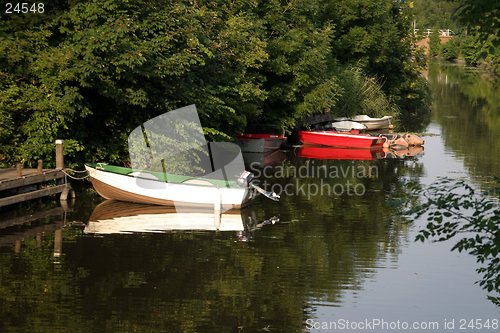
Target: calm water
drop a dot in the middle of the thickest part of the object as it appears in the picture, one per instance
(335, 248)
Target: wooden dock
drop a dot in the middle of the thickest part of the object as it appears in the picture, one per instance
(18, 184)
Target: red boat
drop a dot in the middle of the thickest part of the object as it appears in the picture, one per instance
(339, 139)
(259, 142)
(331, 153)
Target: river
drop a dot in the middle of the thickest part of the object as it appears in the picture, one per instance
(336, 253)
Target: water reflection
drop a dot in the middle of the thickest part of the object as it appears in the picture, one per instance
(209, 281)
(121, 217)
(326, 153)
(265, 158)
(332, 153)
(454, 209)
(467, 106)
(117, 217)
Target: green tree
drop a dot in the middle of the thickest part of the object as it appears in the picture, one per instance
(481, 16)
(471, 49)
(299, 77)
(98, 69)
(450, 51)
(435, 14)
(375, 36)
(91, 71)
(434, 44)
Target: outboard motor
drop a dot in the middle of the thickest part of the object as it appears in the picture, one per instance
(247, 178)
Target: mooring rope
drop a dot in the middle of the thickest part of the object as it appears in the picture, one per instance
(75, 171)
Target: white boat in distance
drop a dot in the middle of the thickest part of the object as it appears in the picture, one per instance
(373, 123)
(369, 122)
(347, 125)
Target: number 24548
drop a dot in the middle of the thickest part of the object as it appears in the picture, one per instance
(24, 8)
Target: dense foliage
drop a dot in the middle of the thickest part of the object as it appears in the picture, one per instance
(474, 23)
(435, 14)
(90, 71)
(481, 17)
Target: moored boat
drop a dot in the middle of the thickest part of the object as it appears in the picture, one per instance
(261, 138)
(369, 122)
(339, 139)
(259, 142)
(126, 184)
(172, 164)
(347, 125)
(373, 123)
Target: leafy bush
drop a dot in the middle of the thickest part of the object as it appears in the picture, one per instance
(362, 95)
(450, 50)
(434, 44)
(471, 50)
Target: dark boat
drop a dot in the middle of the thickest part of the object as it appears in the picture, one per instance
(259, 142)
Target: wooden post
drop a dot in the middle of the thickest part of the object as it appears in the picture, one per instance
(19, 170)
(17, 246)
(39, 167)
(59, 154)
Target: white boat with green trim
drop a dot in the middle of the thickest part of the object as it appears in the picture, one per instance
(172, 164)
(126, 184)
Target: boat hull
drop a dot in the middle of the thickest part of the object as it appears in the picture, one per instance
(115, 186)
(373, 123)
(334, 139)
(260, 143)
(347, 125)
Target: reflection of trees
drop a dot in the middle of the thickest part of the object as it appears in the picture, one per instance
(208, 282)
(467, 107)
(344, 237)
(454, 209)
